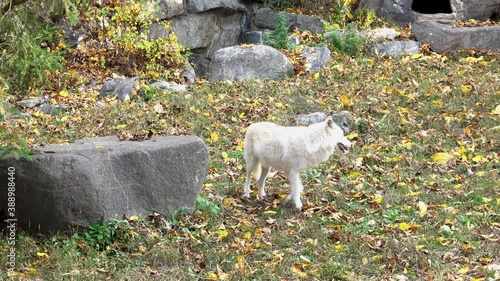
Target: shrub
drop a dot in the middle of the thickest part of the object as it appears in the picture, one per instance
(278, 39)
(349, 41)
(124, 43)
(29, 42)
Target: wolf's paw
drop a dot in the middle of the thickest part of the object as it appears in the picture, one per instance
(262, 195)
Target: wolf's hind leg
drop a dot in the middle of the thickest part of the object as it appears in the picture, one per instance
(262, 181)
(251, 165)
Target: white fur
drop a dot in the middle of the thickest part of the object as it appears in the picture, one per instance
(288, 149)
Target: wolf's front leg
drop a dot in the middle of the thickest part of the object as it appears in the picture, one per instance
(296, 188)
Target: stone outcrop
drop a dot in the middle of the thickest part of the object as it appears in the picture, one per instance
(99, 179)
(206, 26)
(406, 11)
(443, 36)
(265, 18)
(249, 62)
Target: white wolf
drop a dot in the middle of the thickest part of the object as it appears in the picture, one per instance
(291, 150)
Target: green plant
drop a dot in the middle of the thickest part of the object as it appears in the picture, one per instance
(129, 30)
(348, 41)
(279, 38)
(204, 205)
(11, 140)
(100, 236)
(365, 18)
(281, 4)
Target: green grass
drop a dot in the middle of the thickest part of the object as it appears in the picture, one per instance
(361, 217)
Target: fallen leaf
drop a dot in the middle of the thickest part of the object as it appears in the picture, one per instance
(422, 209)
(441, 157)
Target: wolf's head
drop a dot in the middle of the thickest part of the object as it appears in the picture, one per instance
(338, 135)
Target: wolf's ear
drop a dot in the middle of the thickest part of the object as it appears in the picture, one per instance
(329, 121)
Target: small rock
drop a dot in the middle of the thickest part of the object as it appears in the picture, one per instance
(254, 37)
(31, 102)
(383, 33)
(120, 87)
(50, 109)
(317, 58)
(189, 73)
(294, 40)
(396, 48)
(311, 118)
(445, 229)
(169, 86)
(100, 104)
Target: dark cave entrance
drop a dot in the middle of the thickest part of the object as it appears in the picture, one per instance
(431, 6)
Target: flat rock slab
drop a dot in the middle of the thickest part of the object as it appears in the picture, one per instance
(241, 63)
(442, 36)
(97, 179)
(397, 48)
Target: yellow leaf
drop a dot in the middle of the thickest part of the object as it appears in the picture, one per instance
(404, 226)
(441, 157)
(416, 56)
(270, 212)
(497, 110)
(280, 105)
(214, 137)
(470, 59)
(31, 271)
(229, 202)
(312, 242)
(466, 89)
(222, 233)
(225, 157)
(464, 270)
(247, 235)
(338, 247)
(345, 100)
(212, 276)
(422, 208)
(378, 200)
(14, 274)
(479, 159)
(64, 93)
(352, 136)
(239, 147)
(316, 75)
(42, 255)
(133, 218)
(121, 126)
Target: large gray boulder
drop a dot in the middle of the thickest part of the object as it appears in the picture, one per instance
(402, 11)
(265, 18)
(398, 10)
(249, 62)
(101, 178)
(193, 31)
(164, 9)
(198, 6)
(442, 36)
(475, 9)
